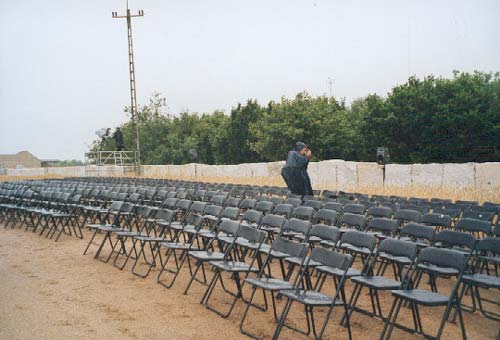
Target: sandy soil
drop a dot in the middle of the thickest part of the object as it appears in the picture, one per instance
(51, 291)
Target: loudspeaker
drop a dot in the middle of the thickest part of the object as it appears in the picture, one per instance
(382, 155)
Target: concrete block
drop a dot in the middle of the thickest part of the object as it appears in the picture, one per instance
(370, 175)
(458, 175)
(427, 175)
(488, 176)
(398, 175)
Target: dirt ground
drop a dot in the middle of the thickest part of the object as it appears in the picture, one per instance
(50, 290)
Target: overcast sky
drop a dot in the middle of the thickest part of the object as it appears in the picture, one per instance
(64, 71)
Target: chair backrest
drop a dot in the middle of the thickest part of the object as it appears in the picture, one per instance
(326, 216)
(355, 221)
(398, 248)
(355, 209)
(252, 216)
(274, 221)
(407, 215)
(380, 212)
(289, 247)
(297, 225)
(252, 235)
(233, 202)
(213, 210)
(293, 201)
(442, 257)
(437, 220)
(417, 231)
(247, 203)
(170, 203)
(165, 215)
(358, 239)
(264, 206)
(489, 245)
(479, 215)
(335, 206)
(316, 205)
(283, 209)
(303, 213)
(228, 227)
(325, 232)
(383, 225)
(230, 212)
(183, 205)
(331, 258)
(474, 226)
(455, 239)
(115, 206)
(218, 200)
(198, 207)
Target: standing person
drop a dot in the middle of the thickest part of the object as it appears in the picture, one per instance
(294, 171)
(118, 137)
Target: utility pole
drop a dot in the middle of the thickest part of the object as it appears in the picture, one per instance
(131, 66)
(330, 83)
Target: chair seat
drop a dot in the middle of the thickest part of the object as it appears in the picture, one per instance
(226, 239)
(483, 280)
(310, 298)
(148, 238)
(359, 250)
(270, 229)
(398, 259)
(422, 297)
(379, 282)
(203, 255)
(102, 227)
(298, 260)
(269, 283)
(338, 272)
(122, 232)
(493, 259)
(245, 243)
(234, 266)
(330, 244)
(177, 245)
(438, 270)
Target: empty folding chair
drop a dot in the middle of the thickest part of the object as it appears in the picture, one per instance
(226, 228)
(478, 281)
(454, 263)
(421, 234)
(233, 202)
(247, 203)
(269, 283)
(272, 224)
(397, 253)
(248, 241)
(312, 299)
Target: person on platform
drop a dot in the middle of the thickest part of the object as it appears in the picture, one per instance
(294, 171)
(118, 137)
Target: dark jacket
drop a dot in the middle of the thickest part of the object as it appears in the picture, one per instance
(294, 173)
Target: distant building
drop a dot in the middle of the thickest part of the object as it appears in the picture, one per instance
(22, 159)
(50, 162)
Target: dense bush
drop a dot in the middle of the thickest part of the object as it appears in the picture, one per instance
(423, 120)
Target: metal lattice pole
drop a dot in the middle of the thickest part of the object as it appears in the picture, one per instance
(133, 101)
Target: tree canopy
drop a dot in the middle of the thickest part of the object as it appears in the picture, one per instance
(423, 120)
